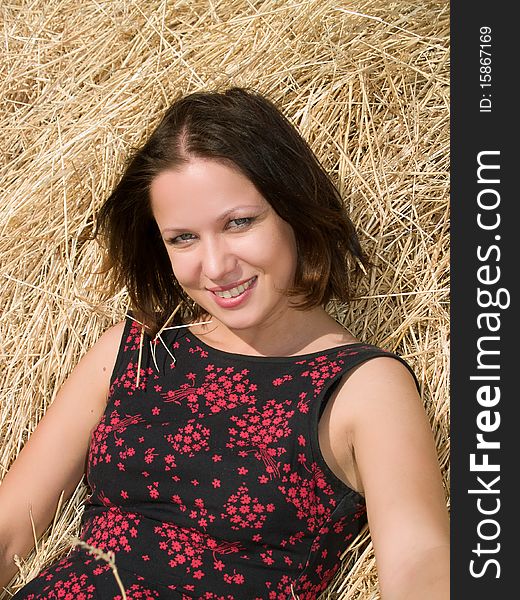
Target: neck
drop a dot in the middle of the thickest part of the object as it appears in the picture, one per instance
(296, 332)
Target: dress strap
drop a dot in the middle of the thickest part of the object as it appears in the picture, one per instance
(362, 355)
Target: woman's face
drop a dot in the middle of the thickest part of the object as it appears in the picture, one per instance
(229, 250)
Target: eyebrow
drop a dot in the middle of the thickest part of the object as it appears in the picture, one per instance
(221, 217)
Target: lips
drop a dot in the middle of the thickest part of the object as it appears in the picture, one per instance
(233, 292)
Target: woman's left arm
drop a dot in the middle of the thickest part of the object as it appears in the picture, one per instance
(395, 457)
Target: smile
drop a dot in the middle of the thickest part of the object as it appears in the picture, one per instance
(236, 291)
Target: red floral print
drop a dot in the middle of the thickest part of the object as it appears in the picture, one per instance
(207, 480)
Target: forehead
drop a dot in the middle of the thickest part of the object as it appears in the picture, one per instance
(201, 175)
(202, 187)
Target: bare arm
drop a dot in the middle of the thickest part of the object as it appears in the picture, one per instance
(53, 459)
(399, 474)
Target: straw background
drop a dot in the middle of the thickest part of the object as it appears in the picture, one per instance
(83, 82)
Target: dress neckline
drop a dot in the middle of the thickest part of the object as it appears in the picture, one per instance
(188, 334)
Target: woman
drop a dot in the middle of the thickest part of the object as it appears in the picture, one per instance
(235, 437)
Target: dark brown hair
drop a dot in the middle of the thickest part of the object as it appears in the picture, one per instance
(246, 130)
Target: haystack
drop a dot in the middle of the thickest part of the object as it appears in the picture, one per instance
(84, 82)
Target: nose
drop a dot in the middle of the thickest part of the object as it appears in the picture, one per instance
(218, 260)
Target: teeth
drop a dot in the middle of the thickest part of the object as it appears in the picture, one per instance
(236, 291)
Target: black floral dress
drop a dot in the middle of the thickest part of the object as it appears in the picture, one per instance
(207, 480)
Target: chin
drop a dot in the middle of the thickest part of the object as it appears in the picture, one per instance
(239, 324)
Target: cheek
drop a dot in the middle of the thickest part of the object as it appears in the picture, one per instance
(286, 249)
(184, 269)
(278, 253)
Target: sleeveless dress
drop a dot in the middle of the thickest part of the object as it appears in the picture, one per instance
(207, 480)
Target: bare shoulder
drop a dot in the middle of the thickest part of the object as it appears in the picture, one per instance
(102, 355)
(380, 381)
(384, 368)
(376, 400)
(114, 332)
(380, 410)
(108, 342)
(396, 466)
(52, 461)
(89, 381)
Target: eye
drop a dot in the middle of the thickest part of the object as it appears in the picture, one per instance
(180, 240)
(240, 222)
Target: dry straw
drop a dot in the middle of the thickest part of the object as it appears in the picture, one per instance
(82, 82)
